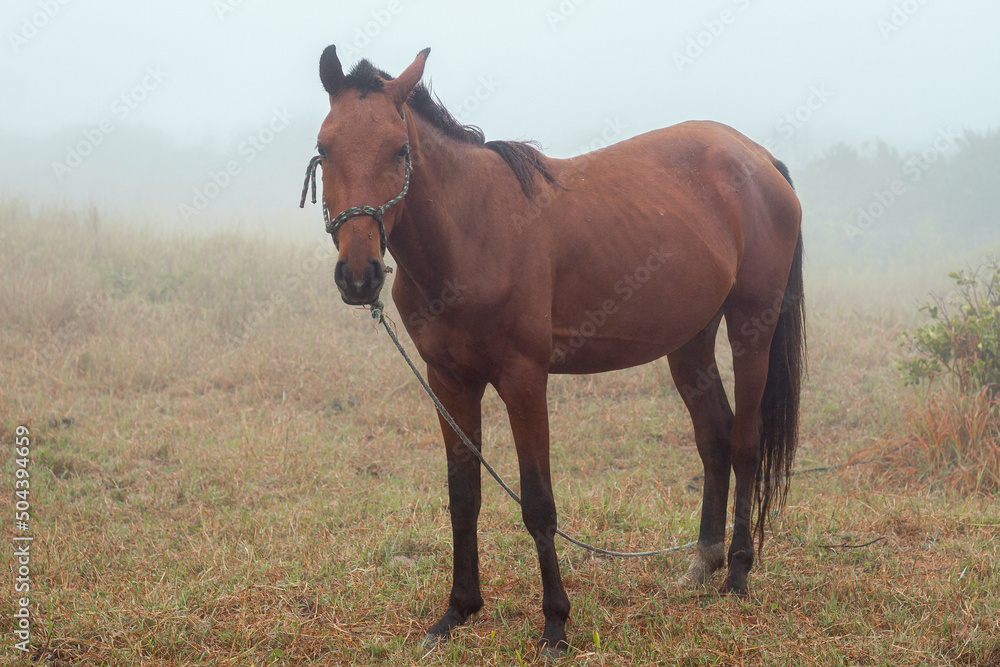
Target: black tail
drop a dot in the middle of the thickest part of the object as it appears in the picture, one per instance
(780, 405)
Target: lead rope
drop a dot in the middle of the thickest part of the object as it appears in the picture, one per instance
(378, 314)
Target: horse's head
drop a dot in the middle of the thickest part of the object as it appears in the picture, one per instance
(364, 149)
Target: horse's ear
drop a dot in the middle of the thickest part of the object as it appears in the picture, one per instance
(399, 89)
(331, 72)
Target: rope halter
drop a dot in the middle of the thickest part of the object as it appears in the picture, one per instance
(376, 213)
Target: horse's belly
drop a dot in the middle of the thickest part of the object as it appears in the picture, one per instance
(653, 310)
(577, 354)
(609, 334)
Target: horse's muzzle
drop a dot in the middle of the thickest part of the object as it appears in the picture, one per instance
(359, 290)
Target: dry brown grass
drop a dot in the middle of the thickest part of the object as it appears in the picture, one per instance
(231, 467)
(960, 438)
(954, 443)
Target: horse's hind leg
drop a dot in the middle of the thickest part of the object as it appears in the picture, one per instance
(750, 338)
(696, 375)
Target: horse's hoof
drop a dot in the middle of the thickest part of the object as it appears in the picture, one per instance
(706, 561)
(430, 642)
(735, 589)
(557, 652)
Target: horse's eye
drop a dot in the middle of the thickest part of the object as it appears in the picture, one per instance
(322, 153)
(401, 154)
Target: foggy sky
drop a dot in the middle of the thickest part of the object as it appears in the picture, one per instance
(796, 76)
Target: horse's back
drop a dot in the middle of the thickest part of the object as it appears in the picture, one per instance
(647, 238)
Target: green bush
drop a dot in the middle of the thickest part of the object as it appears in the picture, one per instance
(956, 429)
(962, 340)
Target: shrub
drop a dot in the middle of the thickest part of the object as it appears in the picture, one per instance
(957, 429)
(962, 340)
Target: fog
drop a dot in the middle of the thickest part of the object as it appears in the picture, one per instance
(137, 106)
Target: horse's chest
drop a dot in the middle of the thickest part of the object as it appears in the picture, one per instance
(451, 349)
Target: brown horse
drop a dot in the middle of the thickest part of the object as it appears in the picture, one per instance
(512, 265)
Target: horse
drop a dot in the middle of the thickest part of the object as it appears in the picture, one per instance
(511, 265)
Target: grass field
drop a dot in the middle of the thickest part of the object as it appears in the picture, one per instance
(231, 467)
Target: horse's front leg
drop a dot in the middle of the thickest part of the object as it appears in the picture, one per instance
(464, 402)
(522, 388)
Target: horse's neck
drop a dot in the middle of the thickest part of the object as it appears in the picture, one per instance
(447, 181)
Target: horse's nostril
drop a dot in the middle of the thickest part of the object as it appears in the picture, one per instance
(377, 273)
(342, 274)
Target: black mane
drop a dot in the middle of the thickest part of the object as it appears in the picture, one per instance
(523, 157)
(366, 78)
